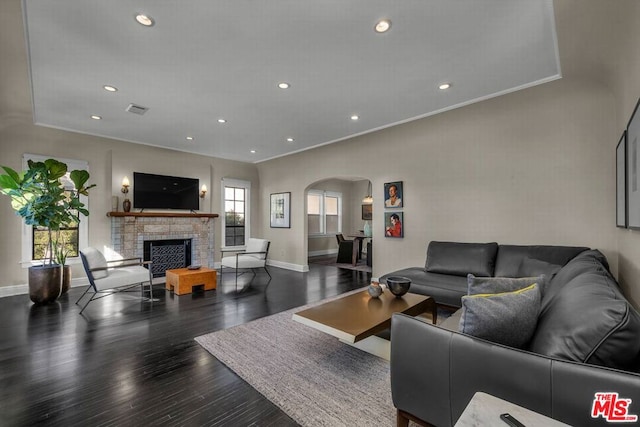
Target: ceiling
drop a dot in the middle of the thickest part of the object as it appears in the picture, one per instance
(205, 60)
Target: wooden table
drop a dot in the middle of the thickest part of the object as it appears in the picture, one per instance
(356, 318)
(182, 280)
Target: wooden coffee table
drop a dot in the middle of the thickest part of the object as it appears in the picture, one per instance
(356, 318)
(182, 280)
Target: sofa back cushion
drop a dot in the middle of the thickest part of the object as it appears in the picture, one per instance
(460, 259)
(510, 257)
(588, 319)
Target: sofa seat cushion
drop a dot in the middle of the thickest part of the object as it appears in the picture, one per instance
(510, 257)
(588, 320)
(443, 288)
(507, 318)
(460, 259)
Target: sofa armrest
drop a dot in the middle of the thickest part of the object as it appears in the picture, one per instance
(435, 372)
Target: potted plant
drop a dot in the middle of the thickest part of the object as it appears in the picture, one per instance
(38, 195)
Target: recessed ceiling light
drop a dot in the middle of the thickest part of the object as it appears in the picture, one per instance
(382, 26)
(355, 117)
(444, 86)
(222, 121)
(284, 85)
(253, 151)
(94, 117)
(189, 138)
(290, 139)
(145, 20)
(110, 88)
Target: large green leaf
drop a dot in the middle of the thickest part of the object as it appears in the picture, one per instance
(79, 178)
(56, 169)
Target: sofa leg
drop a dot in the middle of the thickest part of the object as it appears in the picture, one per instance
(403, 419)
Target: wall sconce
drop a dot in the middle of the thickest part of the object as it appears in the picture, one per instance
(126, 204)
(203, 191)
(125, 185)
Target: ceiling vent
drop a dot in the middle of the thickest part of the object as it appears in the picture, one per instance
(137, 109)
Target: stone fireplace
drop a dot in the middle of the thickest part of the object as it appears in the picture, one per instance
(130, 231)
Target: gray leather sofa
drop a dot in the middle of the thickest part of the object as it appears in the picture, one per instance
(444, 276)
(586, 341)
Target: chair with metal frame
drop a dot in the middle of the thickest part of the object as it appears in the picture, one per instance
(254, 256)
(110, 277)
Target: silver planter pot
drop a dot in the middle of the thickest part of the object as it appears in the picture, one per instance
(45, 283)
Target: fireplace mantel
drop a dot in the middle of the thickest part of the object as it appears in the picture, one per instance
(162, 214)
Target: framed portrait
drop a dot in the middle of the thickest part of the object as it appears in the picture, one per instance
(281, 210)
(393, 224)
(621, 181)
(367, 212)
(393, 196)
(633, 177)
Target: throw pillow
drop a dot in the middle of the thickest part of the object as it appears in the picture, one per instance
(494, 285)
(507, 318)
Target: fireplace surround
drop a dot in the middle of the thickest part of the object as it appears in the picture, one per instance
(130, 230)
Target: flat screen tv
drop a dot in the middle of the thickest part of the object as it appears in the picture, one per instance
(165, 192)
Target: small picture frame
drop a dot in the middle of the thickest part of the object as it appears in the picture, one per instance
(633, 169)
(280, 210)
(621, 181)
(367, 212)
(393, 195)
(393, 224)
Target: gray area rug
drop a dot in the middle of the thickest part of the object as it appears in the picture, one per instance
(311, 376)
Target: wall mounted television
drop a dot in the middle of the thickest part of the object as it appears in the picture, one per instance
(165, 192)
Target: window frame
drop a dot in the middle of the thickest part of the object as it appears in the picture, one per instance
(323, 215)
(83, 226)
(236, 183)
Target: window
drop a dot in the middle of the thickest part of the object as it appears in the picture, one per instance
(236, 196)
(324, 212)
(35, 240)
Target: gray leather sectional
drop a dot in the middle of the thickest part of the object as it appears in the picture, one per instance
(586, 341)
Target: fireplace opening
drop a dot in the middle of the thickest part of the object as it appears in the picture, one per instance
(167, 254)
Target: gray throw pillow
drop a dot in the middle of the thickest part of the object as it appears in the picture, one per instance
(494, 285)
(507, 318)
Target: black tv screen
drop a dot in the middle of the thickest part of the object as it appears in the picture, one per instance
(165, 192)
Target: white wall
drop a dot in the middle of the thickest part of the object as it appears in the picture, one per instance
(527, 168)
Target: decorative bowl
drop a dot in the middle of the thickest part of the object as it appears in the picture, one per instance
(398, 285)
(374, 290)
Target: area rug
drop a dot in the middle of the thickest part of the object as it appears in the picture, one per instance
(311, 376)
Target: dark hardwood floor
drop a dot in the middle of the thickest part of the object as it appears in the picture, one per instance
(129, 363)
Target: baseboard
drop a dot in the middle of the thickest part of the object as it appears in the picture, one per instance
(8, 291)
(323, 252)
(289, 266)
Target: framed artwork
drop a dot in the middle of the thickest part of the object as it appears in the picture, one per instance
(393, 194)
(367, 212)
(621, 181)
(393, 224)
(633, 177)
(281, 210)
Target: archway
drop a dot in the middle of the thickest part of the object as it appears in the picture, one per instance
(334, 206)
